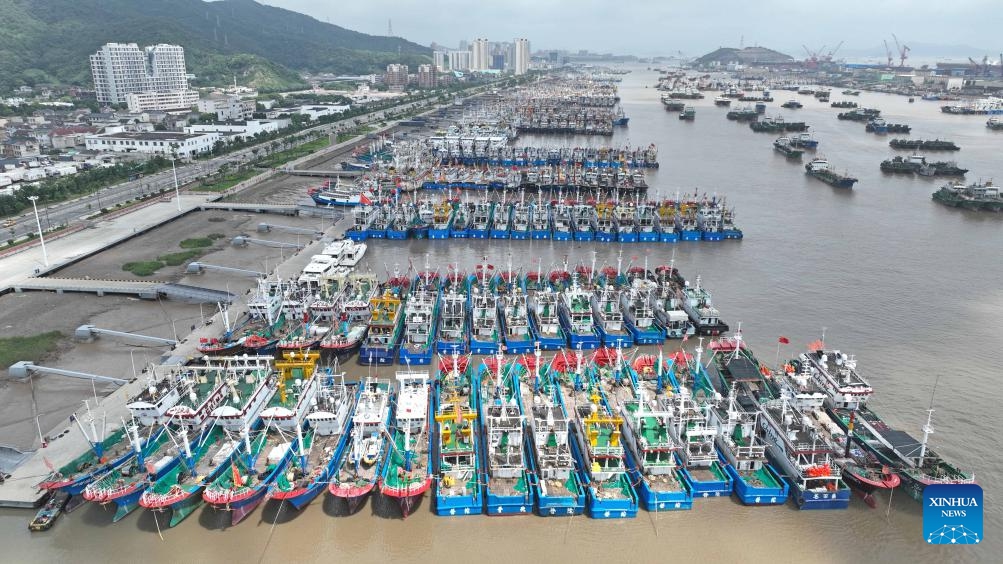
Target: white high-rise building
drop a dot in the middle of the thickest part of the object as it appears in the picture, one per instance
(120, 69)
(480, 55)
(520, 63)
(439, 59)
(459, 60)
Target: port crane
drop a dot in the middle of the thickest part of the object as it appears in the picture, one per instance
(888, 53)
(903, 51)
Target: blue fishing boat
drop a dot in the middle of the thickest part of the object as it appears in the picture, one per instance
(330, 423)
(485, 337)
(646, 218)
(686, 222)
(624, 216)
(453, 332)
(728, 228)
(500, 227)
(481, 220)
(539, 220)
(400, 222)
(584, 222)
(596, 444)
(386, 324)
(513, 313)
(378, 223)
(421, 315)
(666, 213)
(557, 484)
(605, 224)
(636, 306)
(562, 222)
(544, 321)
(709, 221)
(457, 489)
(520, 222)
(606, 313)
(461, 222)
(507, 481)
(575, 312)
(442, 221)
(362, 217)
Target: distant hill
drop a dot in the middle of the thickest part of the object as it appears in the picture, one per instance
(49, 41)
(748, 55)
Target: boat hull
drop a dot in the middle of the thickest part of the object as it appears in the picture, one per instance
(415, 356)
(519, 235)
(614, 340)
(668, 236)
(690, 235)
(434, 233)
(483, 347)
(539, 234)
(753, 495)
(562, 235)
(654, 500)
(648, 236)
(605, 236)
(375, 355)
(507, 505)
(547, 343)
(652, 336)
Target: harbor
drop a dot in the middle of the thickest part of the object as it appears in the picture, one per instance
(772, 208)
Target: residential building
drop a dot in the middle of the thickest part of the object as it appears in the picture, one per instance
(154, 101)
(72, 136)
(228, 108)
(427, 76)
(441, 60)
(396, 76)
(20, 148)
(120, 69)
(460, 60)
(520, 63)
(184, 145)
(480, 55)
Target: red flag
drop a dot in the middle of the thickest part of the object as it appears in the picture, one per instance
(237, 480)
(784, 341)
(364, 200)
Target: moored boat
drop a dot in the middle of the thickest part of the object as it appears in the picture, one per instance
(357, 470)
(406, 473)
(457, 471)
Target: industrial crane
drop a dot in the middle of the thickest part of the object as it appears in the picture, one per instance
(828, 57)
(888, 53)
(903, 51)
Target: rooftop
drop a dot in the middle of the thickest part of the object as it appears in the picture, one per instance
(152, 136)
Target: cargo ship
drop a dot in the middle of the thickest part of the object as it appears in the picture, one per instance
(822, 170)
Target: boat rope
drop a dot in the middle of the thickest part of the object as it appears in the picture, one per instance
(271, 531)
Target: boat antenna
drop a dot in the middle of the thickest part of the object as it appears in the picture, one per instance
(928, 427)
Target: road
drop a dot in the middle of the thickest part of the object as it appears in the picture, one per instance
(72, 211)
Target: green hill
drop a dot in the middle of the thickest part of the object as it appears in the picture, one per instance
(49, 41)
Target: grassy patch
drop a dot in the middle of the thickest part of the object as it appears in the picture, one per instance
(177, 259)
(282, 157)
(33, 348)
(229, 181)
(143, 267)
(353, 133)
(196, 243)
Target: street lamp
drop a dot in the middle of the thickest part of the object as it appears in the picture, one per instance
(38, 222)
(177, 190)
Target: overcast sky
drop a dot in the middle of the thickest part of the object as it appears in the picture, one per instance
(663, 27)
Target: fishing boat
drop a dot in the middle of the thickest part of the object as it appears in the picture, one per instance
(255, 333)
(687, 222)
(666, 303)
(637, 311)
(709, 220)
(506, 474)
(562, 221)
(460, 227)
(539, 220)
(406, 473)
(520, 221)
(442, 221)
(651, 449)
(357, 470)
(798, 450)
(458, 489)
(328, 419)
(421, 314)
(821, 169)
(666, 217)
(705, 318)
(220, 395)
(123, 484)
(608, 317)
(485, 337)
(513, 311)
(386, 323)
(785, 147)
(743, 452)
(106, 452)
(362, 218)
(269, 446)
(624, 216)
(728, 228)
(575, 314)
(452, 334)
(341, 194)
(501, 221)
(46, 516)
(379, 222)
(544, 321)
(698, 459)
(557, 485)
(596, 443)
(645, 221)
(605, 224)
(349, 326)
(481, 220)
(584, 222)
